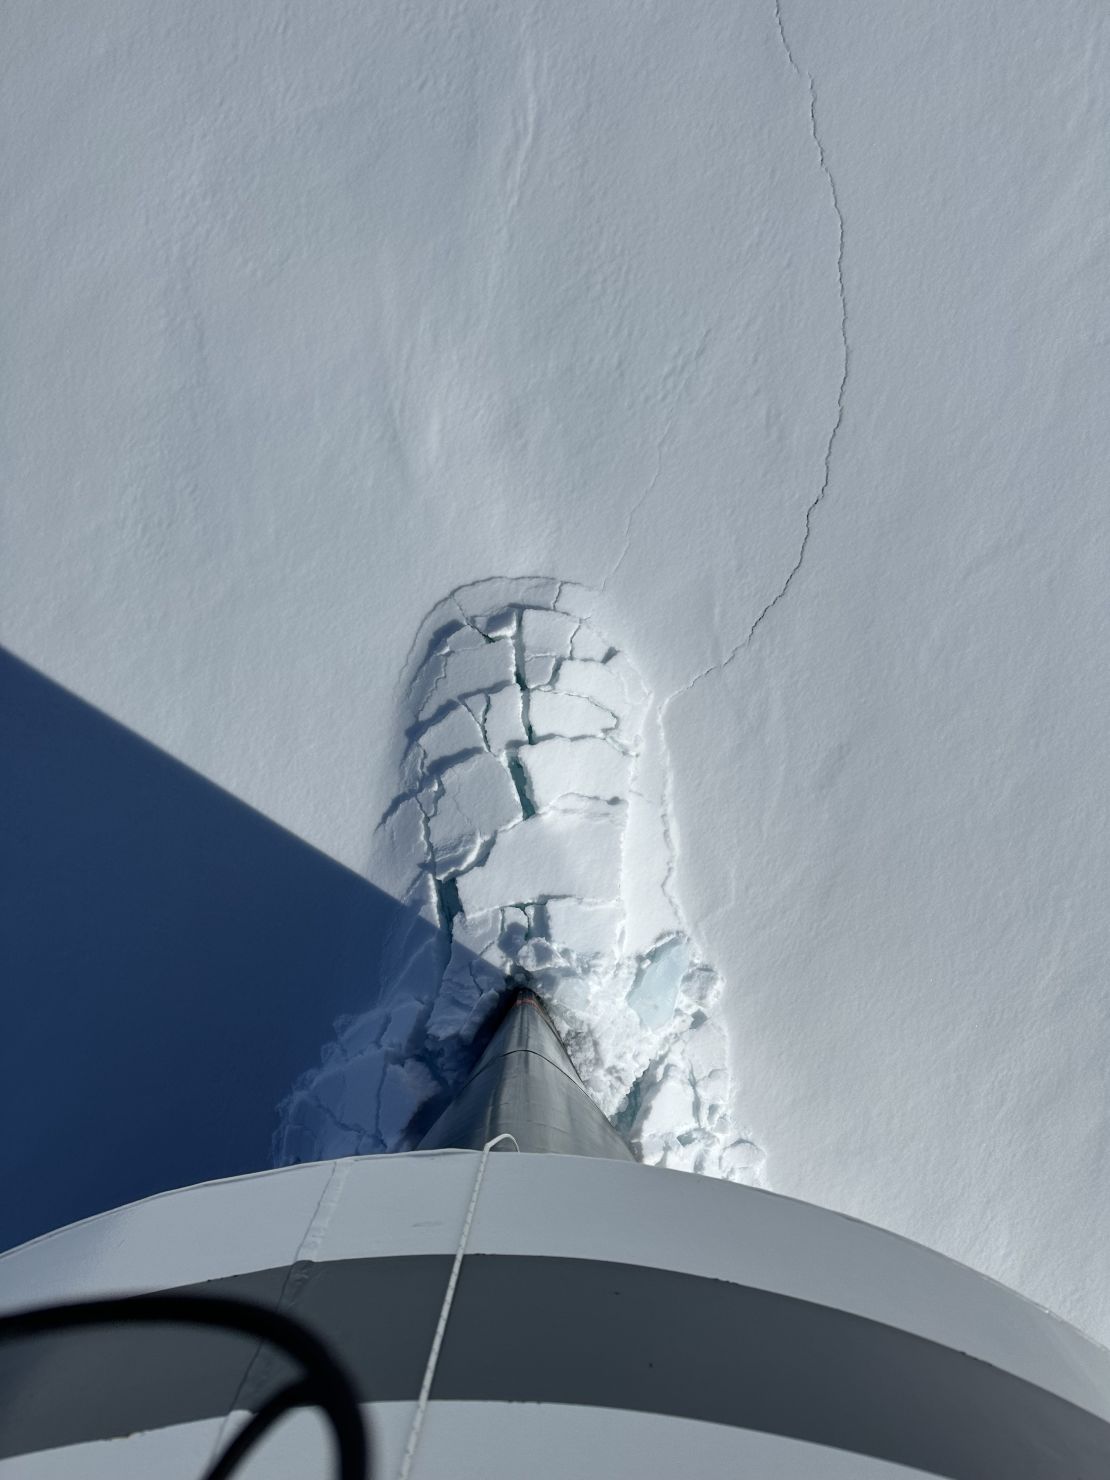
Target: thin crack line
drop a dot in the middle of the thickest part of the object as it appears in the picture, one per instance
(838, 420)
(786, 44)
(669, 825)
(807, 78)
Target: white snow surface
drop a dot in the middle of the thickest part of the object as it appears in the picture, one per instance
(783, 331)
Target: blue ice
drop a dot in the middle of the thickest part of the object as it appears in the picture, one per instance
(655, 992)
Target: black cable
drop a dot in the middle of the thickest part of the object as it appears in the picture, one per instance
(248, 1436)
(325, 1384)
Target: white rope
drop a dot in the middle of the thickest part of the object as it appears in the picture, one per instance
(445, 1310)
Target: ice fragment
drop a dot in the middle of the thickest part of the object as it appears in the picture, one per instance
(547, 631)
(655, 992)
(545, 855)
(554, 713)
(587, 767)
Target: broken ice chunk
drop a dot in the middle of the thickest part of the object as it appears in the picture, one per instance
(577, 601)
(454, 735)
(417, 974)
(454, 838)
(655, 992)
(476, 933)
(553, 713)
(742, 1161)
(357, 1034)
(571, 993)
(405, 827)
(498, 624)
(504, 722)
(303, 1131)
(545, 855)
(346, 1096)
(597, 681)
(515, 927)
(472, 669)
(405, 1088)
(538, 956)
(589, 644)
(539, 668)
(469, 988)
(589, 930)
(588, 768)
(702, 986)
(547, 631)
(498, 593)
(405, 1026)
(667, 1109)
(455, 636)
(707, 1055)
(478, 799)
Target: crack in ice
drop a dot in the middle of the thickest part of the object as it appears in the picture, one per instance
(523, 867)
(807, 78)
(826, 473)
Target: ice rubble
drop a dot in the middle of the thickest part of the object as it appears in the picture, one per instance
(532, 803)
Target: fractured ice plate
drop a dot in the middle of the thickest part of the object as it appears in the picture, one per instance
(550, 854)
(587, 767)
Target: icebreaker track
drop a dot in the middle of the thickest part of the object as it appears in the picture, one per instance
(608, 1320)
(532, 805)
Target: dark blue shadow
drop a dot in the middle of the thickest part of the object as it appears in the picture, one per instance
(170, 961)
